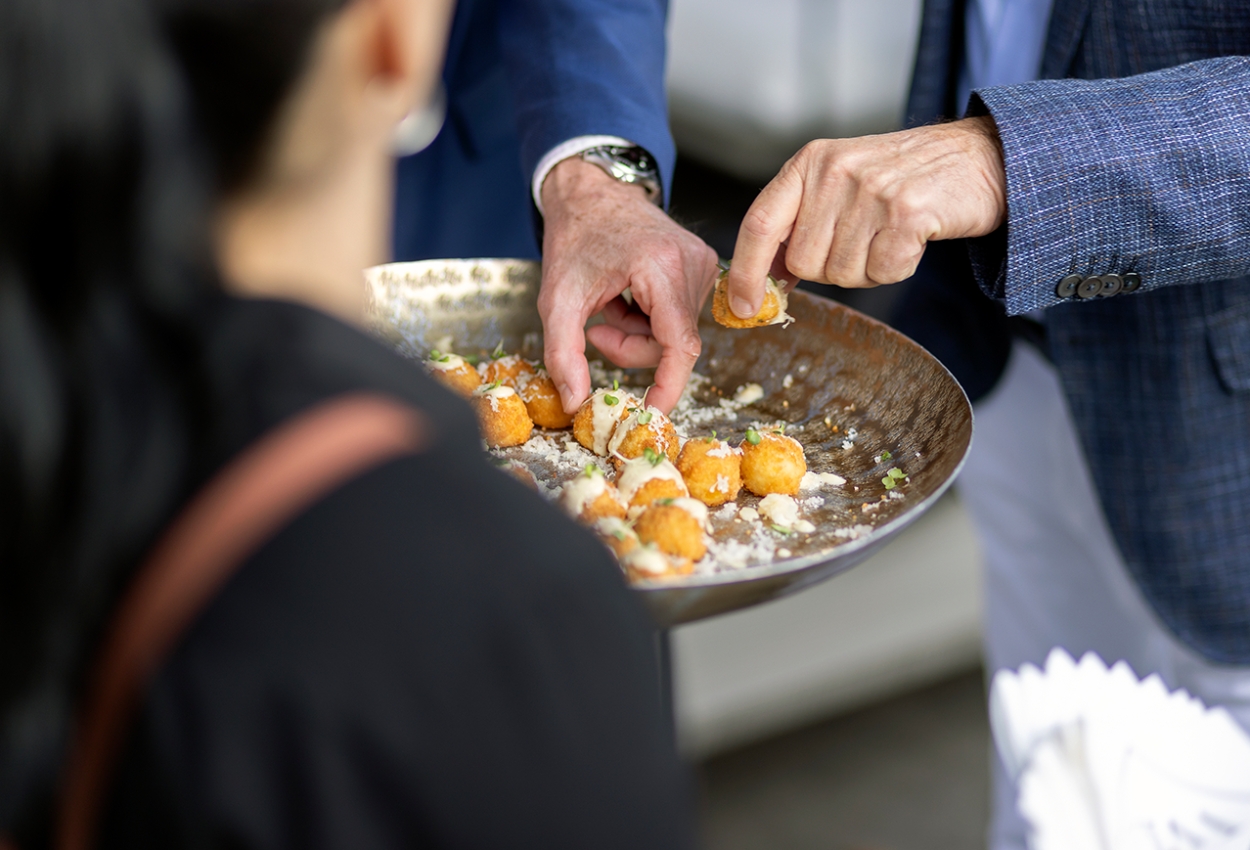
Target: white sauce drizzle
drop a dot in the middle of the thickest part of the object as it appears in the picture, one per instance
(604, 416)
(630, 422)
(582, 491)
(647, 560)
(639, 471)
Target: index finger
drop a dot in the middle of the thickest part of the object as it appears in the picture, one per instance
(766, 225)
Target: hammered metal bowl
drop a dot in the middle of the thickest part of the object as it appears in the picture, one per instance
(848, 387)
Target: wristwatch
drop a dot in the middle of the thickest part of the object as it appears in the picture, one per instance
(629, 164)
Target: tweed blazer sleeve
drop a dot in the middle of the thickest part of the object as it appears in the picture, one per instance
(1147, 174)
(588, 68)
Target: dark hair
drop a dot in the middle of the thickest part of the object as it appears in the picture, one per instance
(118, 119)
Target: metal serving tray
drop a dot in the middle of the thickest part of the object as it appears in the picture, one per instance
(849, 389)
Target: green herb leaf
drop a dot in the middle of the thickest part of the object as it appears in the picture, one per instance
(668, 501)
(611, 400)
(616, 385)
(494, 385)
(498, 353)
(644, 417)
(753, 436)
(780, 529)
(653, 457)
(896, 473)
(472, 359)
(887, 483)
(591, 470)
(886, 455)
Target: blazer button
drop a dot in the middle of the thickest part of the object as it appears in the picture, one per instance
(1090, 287)
(1112, 284)
(1067, 287)
(1132, 281)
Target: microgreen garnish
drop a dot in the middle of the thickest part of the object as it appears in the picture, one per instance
(644, 417)
(619, 534)
(753, 436)
(653, 457)
(666, 501)
(439, 357)
(896, 473)
(471, 359)
(494, 385)
(591, 470)
(498, 353)
(780, 429)
(611, 400)
(616, 384)
(887, 483)
(780, 529)
(886, 455)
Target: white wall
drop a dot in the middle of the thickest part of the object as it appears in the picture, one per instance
(907, 616)
(751, 80)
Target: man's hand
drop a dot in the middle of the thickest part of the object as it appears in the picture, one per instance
(601, 237)
(859, 212)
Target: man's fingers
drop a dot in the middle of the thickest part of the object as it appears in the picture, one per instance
(674, 323)
(894, 255)
(629, 351)
(766, 225)
(564, 355)
(620, 315)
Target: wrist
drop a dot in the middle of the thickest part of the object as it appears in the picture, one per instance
(984, 145)
(574, 179)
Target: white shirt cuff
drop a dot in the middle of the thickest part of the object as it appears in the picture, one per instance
(563, 151)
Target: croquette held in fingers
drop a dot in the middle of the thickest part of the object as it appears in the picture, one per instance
(772, 311)
(501, 415)
(772, 462)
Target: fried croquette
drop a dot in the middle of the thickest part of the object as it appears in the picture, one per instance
(454, 372)
(542, 401)
(649, 563)
(597, 417)
(617, 535)
(501, 415)
(772, 312)
(712, 470)
(673, 528)
(591, 496)
(645, 479)
(644, 428)
(772, 463)
(508, 369)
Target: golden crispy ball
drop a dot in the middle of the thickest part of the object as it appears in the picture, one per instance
(644, 428)
(510, 369)
(520, 472)
(543, 402)
(617, 535)
(649, 563)
(591, 497)
(772, 312)
(655, 490)
(454, 372)
(502, 416)
(772, 463)
(597, 417)
(673, 530)
(712, 469)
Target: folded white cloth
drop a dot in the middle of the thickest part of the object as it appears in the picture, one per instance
(1105, 761)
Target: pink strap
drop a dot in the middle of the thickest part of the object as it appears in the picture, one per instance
(245, 505)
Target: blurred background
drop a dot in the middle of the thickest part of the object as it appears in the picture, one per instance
(853, 714)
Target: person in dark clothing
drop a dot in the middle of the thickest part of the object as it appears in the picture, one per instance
(429, 655)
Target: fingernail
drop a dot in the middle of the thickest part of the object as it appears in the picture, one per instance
(566, 395)
(741, 307)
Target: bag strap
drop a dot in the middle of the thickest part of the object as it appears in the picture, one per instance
(242, 507)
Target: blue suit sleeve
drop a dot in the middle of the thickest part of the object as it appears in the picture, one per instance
(588, 67)
(1148, 174)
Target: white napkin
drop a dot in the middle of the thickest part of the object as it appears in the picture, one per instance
(1104, 761)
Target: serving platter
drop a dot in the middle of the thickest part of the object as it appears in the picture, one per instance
(862, 399)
